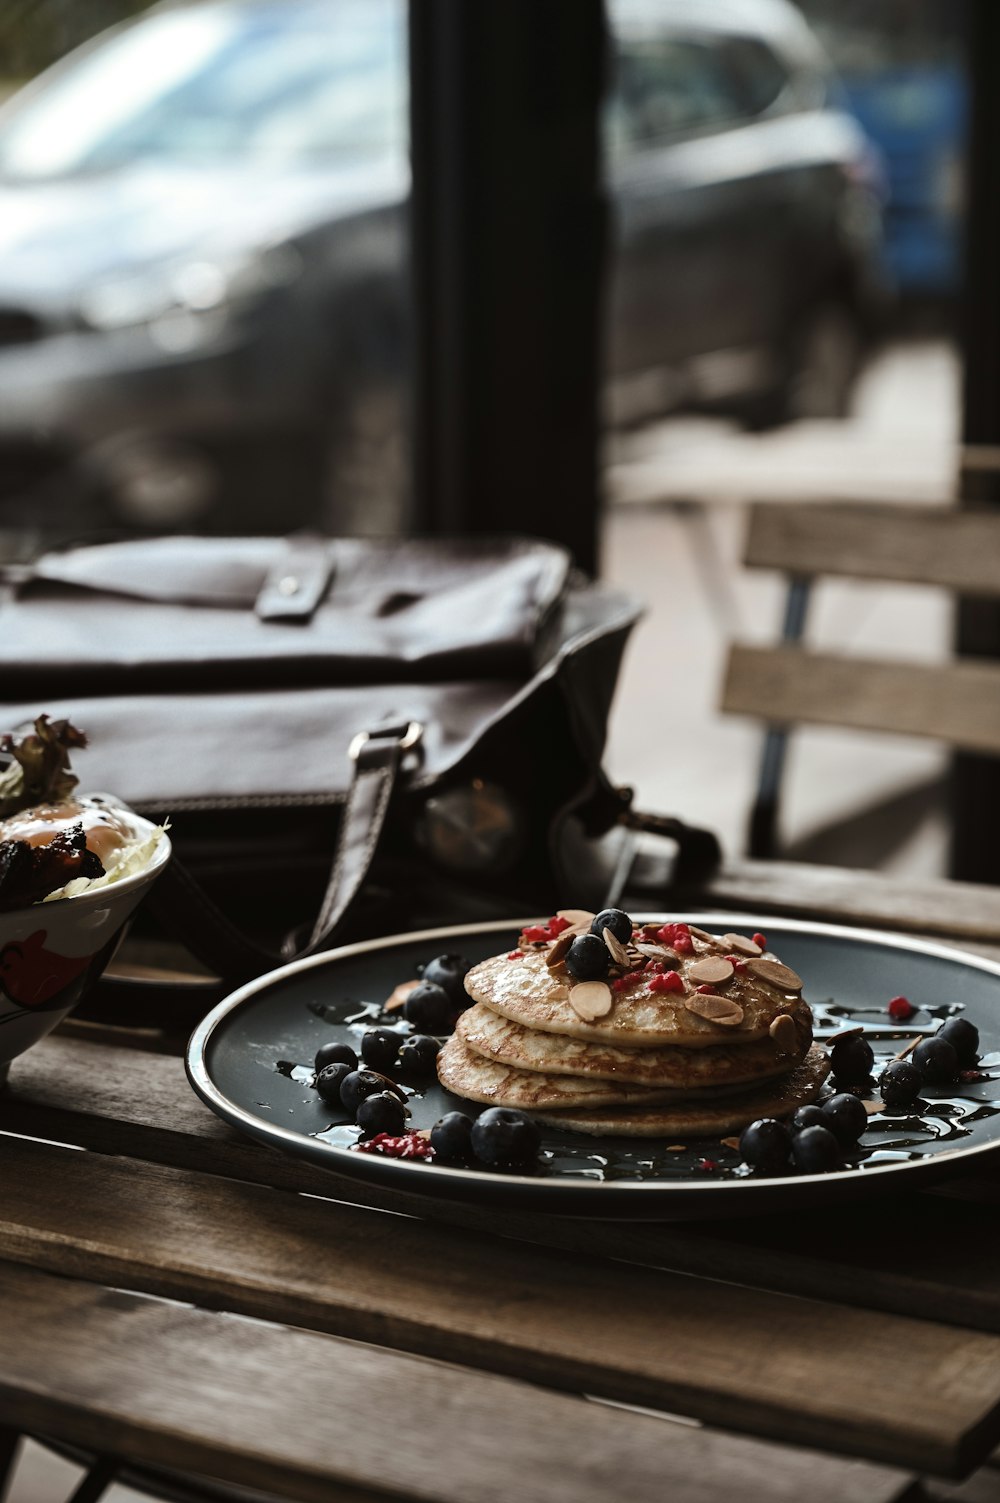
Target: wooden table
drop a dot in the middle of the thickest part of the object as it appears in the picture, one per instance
(179, 1297)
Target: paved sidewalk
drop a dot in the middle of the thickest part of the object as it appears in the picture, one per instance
(674, 536)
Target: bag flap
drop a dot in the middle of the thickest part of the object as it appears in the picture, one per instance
(173, 613)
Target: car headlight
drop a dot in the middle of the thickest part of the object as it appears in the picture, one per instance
(186, 302)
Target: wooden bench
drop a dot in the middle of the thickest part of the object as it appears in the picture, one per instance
(787, 685)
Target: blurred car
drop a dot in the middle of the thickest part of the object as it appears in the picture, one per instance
(202, 261)
(203, 249)
(750, 276)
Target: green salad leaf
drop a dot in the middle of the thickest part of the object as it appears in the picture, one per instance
(39, 772)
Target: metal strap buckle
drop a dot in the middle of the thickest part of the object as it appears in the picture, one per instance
(410, 738)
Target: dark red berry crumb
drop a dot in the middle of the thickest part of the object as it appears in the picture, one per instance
(409, 1145)
(706, 990)
(901, 1009)
(708, 1164)
(759, 939)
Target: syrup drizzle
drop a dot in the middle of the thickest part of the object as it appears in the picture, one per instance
(945, 1116)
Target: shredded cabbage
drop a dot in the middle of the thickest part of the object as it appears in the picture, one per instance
(126, 861)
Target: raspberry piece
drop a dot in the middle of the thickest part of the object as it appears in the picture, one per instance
(901, 1009)
(515, 954)
(684, 944)
(666, 981)
(738, 965)
(706, 990)
(409, 1145)
(533, 933)
(759, 939)
(556, 926)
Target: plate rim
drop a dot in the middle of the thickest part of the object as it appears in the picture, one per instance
(344, 1161)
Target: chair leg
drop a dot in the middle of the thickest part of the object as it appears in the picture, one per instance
(97, 1481)
(10, 1441)
(762, 840)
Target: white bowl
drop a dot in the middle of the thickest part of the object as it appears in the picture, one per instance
(52, 953)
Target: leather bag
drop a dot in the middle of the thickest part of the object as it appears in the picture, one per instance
(347, 736)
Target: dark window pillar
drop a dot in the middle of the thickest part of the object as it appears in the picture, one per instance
(975, 854)
(508, 235)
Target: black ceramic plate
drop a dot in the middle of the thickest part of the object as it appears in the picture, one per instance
(251, 1061)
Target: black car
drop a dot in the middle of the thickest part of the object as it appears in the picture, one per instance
(203, 251)
(749, 273)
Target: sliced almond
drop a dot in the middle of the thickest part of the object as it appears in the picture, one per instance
(784, 1033)
(399, 996)
(719, 1010)
(590, 999)
(741, 945)
(576, 916)
(676, 1147)
(911, 1046)
(655, 952)
(845, 1033)
(704, 936)
(730, 1143)
(776, 974)
(558, 949)
(619, 954)
(712, 971)
(871, 1107)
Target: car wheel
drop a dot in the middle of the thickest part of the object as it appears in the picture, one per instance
(823, 363)
(829, 359)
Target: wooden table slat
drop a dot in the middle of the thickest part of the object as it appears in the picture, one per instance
(928, 1256)
(745, 1360)
(955, 912)
(312, 1417)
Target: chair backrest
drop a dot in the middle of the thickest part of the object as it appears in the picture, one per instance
(959, 550)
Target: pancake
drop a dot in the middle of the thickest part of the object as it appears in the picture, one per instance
(478, 1079)
(528, 992)
(498, 1038)
(702, 1119)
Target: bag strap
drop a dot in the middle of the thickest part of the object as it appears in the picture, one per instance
(181, 905)
(378, 757)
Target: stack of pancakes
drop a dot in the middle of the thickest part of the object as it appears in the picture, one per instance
(731, 1040)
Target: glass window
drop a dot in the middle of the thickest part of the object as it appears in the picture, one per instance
(669, 86)
(214, 84)
(760, 76)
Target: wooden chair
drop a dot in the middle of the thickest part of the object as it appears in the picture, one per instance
(788, 684)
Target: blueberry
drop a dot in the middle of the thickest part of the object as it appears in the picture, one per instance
(936, 1059)
(503, 1136)
(963, 1037)
(418, 1055)
(379, 1048)
(588, 958)
(359, 1084)
(900, 1084)
(449, 973)
(329, 1080)
(614, 919)
(846, 1118)
(381, 1112)
(807, 1116)
(451, 1138)
(852, 1059)
(766, 1145)
(429, 1007)
(335, 1054)
(815, 1150)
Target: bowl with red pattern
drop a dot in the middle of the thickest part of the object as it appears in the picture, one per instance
(73, 870)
